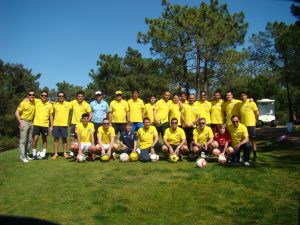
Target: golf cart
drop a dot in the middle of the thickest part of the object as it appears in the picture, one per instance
(266, 109)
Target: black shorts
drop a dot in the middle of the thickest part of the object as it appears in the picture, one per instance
(252, 132)
(174, 146)
(119, 127)
(37, 130)
(73, 133)
(60, 131)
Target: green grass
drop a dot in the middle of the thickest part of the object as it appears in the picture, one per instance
(66, 192)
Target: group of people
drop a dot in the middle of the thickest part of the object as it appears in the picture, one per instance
(199, 128)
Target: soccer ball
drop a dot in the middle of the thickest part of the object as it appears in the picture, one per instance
(104, 158)
(138, 151)
(222, 159)
(173, 158)
(116, 155)
(81, 158)
(201, 163)
(124, 157)
(41, 154)
(154, 157)
(133, 156)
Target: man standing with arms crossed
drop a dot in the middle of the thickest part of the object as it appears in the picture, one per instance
(230, 107)
(204, 107)
(25, 114)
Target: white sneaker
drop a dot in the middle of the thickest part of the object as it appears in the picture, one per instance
(71, 153)
(24, 160)
(246, 163)
(202, 155)
(28, 158)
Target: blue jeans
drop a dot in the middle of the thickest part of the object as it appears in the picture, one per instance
(136, 126)
(237, 153)
(145, 152)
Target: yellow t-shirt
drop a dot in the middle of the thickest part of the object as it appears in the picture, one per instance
(78, 110)
(106, 135)
(162, 110)
(231, 108)
(217, 117)
(247, 112)
(42, 113)
(149, 111)
(85, 132)
(146, 136)
(190, 112)
(175, 112)
(237, 134)
(204, 110)
(202, 136)
(61, 113)
(174, 137)
(27, 110)
(135, 110)
(118, 110)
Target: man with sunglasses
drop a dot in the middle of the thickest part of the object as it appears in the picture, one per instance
(24, 114)
(61, 110)
(240, 141)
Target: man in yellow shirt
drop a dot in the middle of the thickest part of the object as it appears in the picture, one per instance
(202, 137)
(150, 108)
(204, 107)
(136, 111)
(249, 115)
(79, 107)
(240, 141)
(162, 113)
(183, 98)
(24, 114)
(175, 109)
(174, 140)
(230, 107)
(119, 112)
(189, 117)
(61, 110)
(217, 117)
(148, 137)
(43, 113)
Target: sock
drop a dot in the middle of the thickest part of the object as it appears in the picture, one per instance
(44, 150)
(254, 153)
(33, 152)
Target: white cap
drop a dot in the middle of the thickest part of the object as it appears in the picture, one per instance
(98, 93)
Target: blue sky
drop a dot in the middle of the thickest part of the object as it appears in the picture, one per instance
(62, 39)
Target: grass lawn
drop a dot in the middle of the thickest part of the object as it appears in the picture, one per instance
(66, 192)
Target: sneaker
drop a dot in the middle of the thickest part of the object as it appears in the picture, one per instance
(202, 155)
(241, 160)
(246, 164)
(71, 154)
(36, 157)
(24, 160)
(180, 157)
(55, 156)
(28, 158)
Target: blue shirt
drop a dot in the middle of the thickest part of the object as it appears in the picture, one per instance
(128, 138)
(99, 110)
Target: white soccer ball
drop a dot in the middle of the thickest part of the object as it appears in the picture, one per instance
(81, 158)
(154, 157)
(124, 157)
(201, 163)
(41, 154)
(222, 159)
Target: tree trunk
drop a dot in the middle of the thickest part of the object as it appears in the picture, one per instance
(198, 71)
(205, 75)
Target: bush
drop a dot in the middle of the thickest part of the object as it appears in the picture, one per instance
(7, 143)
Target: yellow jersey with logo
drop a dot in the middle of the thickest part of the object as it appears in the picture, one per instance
(237, 134)
(190, 112)
(118, 111)
(78, 110)
(42, 113)
(146, 136)
(27, 110)
(174, 137)
(217, 117)
(162, 110)
(202, 136)
(149, 111)
(106, 135)
(204, 110)
(135, 110)
(175, 112)
(231, 108)
(85, 132)
(61, 113)
(247, 111)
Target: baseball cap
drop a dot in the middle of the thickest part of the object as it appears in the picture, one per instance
(98, 93)
(119, 93)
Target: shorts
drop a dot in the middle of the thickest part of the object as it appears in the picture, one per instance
(37, 130)
(106, 146)
(252, 132)
(60, 131)
(73, 133)
(174, 146)
(85, 146)
(119, 127)
(136, 125)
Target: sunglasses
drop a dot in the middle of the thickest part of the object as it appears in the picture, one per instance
(235, 121)
(44, 95)
(30, 94)
(119, 95)
(201, 123)
(61, 96)
(105, 123)
(174, 122)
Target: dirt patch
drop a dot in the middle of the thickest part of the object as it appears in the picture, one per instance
(274, 133)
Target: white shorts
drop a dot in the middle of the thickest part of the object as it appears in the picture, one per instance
(106, 146)
(85, 146)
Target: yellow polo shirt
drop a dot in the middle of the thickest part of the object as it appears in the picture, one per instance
(27, 110)
(202, 136)
(61, 113)
(146, 136)
(217, 117)
(106, 135)
(118, 110)
(190, 112)
(247, 112)
(175, 112)
(85, 132)
(174, 137)
(204, 110)
(162, 110)
(135, 110)
(149, 111)
(237, 134)
(231, 108)
(42, 113)
(78, 110)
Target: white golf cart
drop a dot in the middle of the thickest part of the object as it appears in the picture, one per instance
(266, 109)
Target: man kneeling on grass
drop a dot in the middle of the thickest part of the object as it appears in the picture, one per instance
(148, 137)
(85, 135)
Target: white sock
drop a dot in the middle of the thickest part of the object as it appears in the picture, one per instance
(33, 152)
(44, 150)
